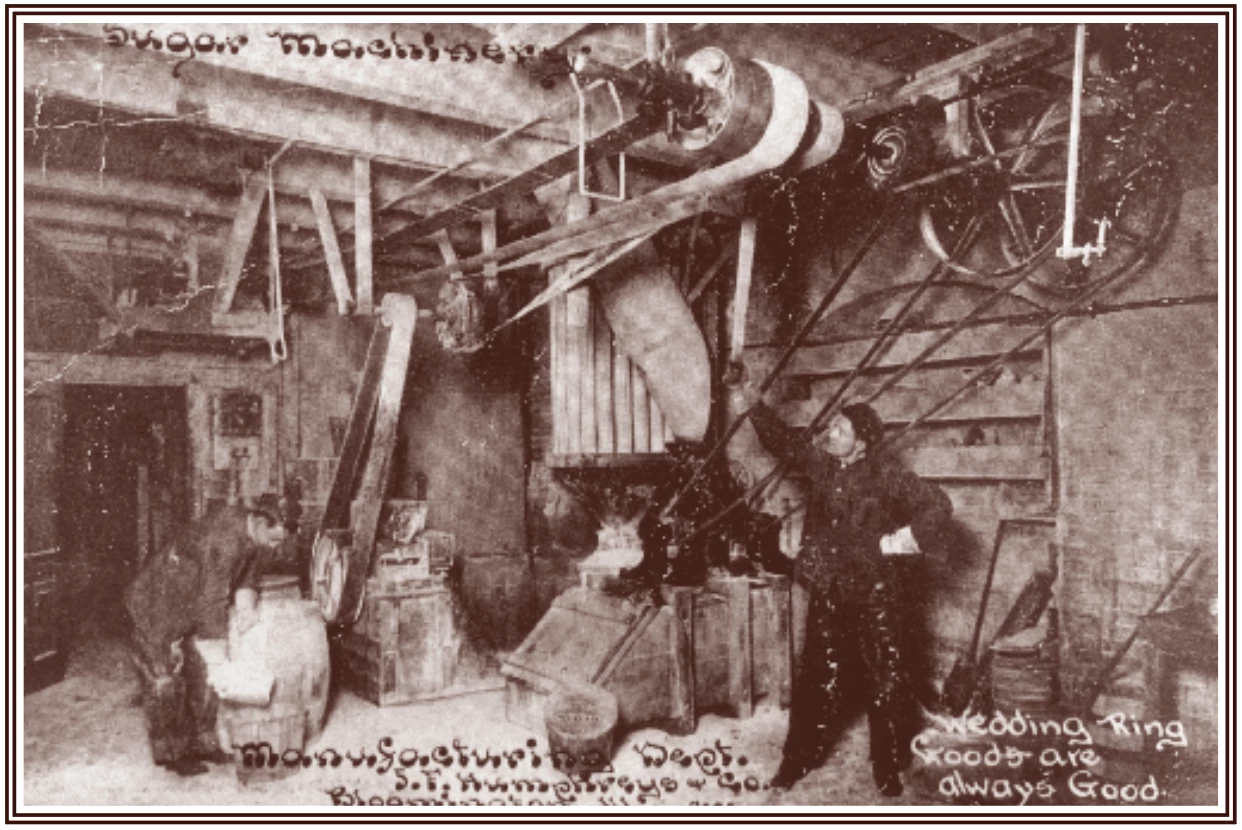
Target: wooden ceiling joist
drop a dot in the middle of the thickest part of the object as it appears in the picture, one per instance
(142, 82)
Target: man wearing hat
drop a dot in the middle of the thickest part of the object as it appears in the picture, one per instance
(186, 591)
(866, 518)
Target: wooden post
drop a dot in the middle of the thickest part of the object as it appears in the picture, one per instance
(362, 235)
(331, 252)
(240, 237)
(605, 442)
(740, 663)
(491, 270)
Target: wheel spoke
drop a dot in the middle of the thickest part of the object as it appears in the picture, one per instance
(1017, 228)
(982, 132)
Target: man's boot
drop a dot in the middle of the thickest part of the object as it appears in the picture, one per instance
(887, 781)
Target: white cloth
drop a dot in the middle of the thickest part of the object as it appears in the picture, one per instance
(899, 543)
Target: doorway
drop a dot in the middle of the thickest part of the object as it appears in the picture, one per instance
(125, 491)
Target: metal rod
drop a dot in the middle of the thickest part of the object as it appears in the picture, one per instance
(782, 361)
(778, 472)
(1069, 309)
(1114, 661)
(923, 356)
(1067, 250)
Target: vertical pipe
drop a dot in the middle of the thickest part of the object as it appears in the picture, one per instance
(1071, 174)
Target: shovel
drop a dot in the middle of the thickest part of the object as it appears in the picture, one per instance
(960, 684)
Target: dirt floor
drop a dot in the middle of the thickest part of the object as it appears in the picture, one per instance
(85, 746)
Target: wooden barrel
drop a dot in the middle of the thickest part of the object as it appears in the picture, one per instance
(580, 722)
(290, 640)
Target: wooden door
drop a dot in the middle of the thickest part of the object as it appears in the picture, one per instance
(43, 556)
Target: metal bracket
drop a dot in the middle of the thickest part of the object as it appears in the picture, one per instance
(582, 143)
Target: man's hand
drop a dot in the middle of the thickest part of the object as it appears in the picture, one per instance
(899, 543)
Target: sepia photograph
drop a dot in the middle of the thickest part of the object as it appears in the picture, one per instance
(621, 416)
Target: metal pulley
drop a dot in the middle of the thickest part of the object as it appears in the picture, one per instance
(737, 104)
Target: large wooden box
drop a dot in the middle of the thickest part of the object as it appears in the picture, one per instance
(409, 645)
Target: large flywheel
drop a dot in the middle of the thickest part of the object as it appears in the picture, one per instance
(1000, 210)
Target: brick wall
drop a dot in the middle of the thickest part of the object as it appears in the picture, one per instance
(1137, 432)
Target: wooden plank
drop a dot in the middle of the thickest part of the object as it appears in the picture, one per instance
(615, 461)
(657, 425)
(681, 683)
(991, 463)
(362, 236)
(642, 414)
(782, 665)
(897, 405)
(576, 209)
(606, 442)
(240, 236)
(402, 315)
(586, 343)
(556, 347)
(983, 341)
(741, 678)
(361, 416)
(556, 167)
(576, 308)
(446, 251)
(332, 252)
(622, 401)
(935, 79)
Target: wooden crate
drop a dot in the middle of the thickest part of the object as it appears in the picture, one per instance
(405, 646)
(741, 636)
(721, 646)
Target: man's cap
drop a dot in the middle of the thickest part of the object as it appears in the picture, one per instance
(267, 505)
(866, 422)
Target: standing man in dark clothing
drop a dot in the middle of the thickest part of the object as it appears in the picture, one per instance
(185, 592)
(865, 518)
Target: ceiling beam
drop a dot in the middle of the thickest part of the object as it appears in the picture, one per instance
(176, 201)
(142, 82)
